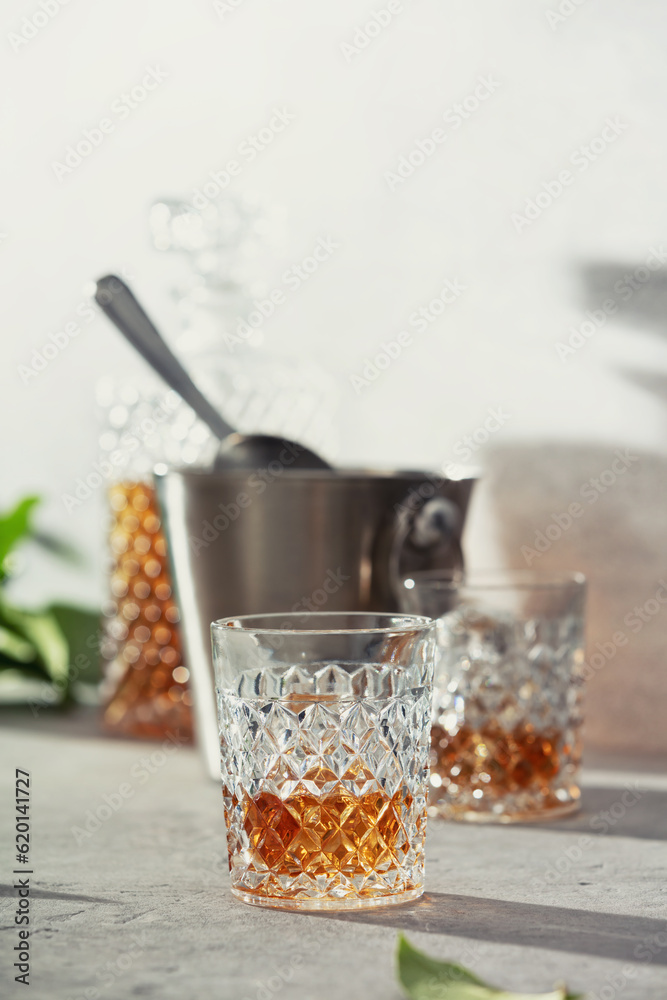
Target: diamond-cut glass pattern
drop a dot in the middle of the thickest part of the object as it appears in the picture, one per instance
(325, 784)
(507, 714)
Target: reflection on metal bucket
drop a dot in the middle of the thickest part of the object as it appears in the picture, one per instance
(259, 542)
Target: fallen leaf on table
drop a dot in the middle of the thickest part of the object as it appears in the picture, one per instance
(425, 978)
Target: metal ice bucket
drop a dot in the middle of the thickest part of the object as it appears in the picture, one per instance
(246, 542)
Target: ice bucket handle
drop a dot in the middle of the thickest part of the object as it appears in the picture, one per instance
(427, 533)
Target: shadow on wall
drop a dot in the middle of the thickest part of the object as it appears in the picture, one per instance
(638, 295)
(603, 510)
(639, 290)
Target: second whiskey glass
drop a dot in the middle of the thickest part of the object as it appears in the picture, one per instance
(508, 689)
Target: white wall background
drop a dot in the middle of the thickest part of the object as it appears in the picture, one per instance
(558, 83)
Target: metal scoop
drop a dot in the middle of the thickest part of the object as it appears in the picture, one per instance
(243, 451)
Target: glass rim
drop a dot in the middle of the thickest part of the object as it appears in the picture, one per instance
(398, 623)
(494, 579)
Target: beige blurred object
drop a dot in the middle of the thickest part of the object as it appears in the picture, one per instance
(619, 541)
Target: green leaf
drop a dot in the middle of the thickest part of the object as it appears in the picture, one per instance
(15, 649)
(41, 630)
(82, 630)
(15, 525)
(425, 978)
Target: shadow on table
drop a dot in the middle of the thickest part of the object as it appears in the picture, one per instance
(69, 897)
(625, 811)
(605, 935)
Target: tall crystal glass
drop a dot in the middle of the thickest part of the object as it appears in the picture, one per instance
(324, 739)
(508, 687)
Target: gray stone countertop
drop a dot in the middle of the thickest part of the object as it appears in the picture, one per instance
(139, 905)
